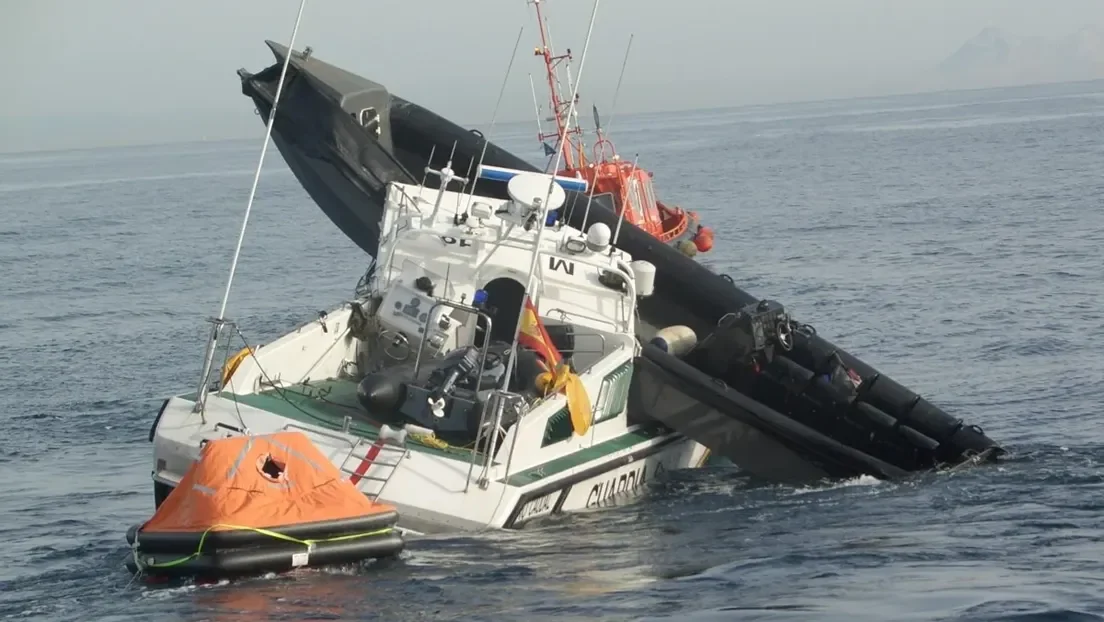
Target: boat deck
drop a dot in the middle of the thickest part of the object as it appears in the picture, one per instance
(326, 403)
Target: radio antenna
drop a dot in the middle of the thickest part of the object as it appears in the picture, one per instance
(201, 396)
(494, 116)
(548, 197)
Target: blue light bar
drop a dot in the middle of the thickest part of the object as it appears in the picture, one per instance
(501, 173)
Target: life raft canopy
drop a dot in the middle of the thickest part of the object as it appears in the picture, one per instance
(265, 503)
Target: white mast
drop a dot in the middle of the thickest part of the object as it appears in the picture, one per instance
(617, 91)
(536, 105)
(625, 208)
(219, 321)
(547, 198)
(494, 116)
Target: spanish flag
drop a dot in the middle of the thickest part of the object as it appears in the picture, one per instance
(534, 336)
(557, 375)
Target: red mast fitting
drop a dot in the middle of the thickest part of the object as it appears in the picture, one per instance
(630, 187)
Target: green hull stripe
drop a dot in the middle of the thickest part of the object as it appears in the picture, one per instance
(552, 467)
(326, 403)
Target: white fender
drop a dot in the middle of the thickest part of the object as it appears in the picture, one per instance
(676, 340)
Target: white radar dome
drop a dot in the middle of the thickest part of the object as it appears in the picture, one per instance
(598, 236)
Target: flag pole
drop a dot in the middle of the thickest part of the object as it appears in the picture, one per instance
(544, 204)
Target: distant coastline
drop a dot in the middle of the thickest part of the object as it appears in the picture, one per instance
(995, 58)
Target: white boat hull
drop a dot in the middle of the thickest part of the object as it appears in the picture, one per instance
(432, 493)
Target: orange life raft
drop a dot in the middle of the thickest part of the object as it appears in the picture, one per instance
(255, 504)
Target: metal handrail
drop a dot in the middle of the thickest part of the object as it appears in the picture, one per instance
(564, 315)
(601, 336)
(479, 435)
(327, 433)
(461, 307)
(479, 378)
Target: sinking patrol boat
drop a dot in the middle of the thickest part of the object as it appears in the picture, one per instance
(418, 390)
(784, 403)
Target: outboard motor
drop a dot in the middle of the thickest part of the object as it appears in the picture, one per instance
(469, 360)
(745, 339)
(443, 398)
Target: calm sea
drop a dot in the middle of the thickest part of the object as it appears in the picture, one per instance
(952, 240)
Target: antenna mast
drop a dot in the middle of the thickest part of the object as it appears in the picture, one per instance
(602, 138)
(548, 197)
(536, 105)
(617, 91)
(494, 115)
(561, 110)
(219, 321)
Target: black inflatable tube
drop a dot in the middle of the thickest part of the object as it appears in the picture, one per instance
(189, 541)
(273, 558)
(878, 418)
(835, 458)
(953, 436)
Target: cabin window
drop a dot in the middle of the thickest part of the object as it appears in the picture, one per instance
(635, 200)
(558, 429)
(649, 192)
(613, 397)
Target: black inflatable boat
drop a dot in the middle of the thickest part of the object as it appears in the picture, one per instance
(760, 389)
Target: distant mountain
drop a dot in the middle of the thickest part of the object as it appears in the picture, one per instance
(996, 58)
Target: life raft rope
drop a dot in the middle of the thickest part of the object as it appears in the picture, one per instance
(309, 543)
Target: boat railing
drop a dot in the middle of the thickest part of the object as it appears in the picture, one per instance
(219, 340)
(683, 223)
(405, 208)
(573, 352)
(621, 325)
(326, 433)
(461, 307)
(495, 405)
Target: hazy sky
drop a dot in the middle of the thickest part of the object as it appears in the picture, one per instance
(85, 72)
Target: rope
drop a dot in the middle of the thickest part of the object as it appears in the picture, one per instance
(309, 543)
(428, 441)
(421, 439)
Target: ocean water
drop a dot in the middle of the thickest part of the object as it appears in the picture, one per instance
(951, 240)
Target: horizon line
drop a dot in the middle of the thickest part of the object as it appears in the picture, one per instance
(781, 102)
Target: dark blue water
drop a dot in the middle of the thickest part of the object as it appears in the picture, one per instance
(951, 240)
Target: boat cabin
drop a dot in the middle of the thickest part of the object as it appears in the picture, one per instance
(632, 191)
(453, 270)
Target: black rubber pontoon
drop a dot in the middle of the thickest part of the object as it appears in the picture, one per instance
(346, 137)
(216, 554)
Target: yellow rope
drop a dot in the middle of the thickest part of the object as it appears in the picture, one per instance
(265, 532)
(429, 441)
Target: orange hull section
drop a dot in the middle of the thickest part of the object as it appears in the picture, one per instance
(633, 196)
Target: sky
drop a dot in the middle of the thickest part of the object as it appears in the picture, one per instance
(83, 73)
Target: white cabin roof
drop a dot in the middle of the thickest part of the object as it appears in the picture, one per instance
(466, 257)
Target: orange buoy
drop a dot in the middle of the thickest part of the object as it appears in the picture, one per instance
(704, 239)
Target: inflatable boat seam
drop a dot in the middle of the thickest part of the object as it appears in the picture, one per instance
(309, 542)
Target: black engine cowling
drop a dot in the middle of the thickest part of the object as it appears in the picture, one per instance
(443, 397)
